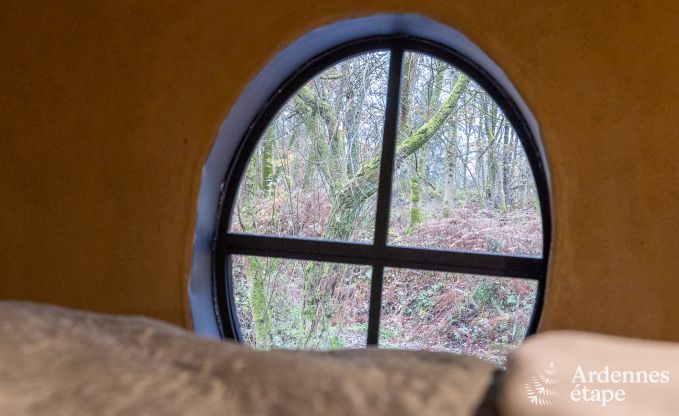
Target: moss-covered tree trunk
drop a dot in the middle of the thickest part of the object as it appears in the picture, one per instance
(409, 76)
(347, 205)
(256, 271)
(314, 114)
(492, 170)
(416, 215)
(419, 158)
(268, 146)
(350, 197)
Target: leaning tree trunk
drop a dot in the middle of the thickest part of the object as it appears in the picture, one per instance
(419, 158)
(348, 203)
(350, 197)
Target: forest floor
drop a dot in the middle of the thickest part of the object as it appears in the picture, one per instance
(477, 315)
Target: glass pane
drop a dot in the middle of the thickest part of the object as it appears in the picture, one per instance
(314, 172)
(477, 315)
(462, 179)
(297, 304)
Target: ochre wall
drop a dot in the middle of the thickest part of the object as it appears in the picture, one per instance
(109, 108)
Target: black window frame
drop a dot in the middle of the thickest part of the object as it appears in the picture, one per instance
(379, 254)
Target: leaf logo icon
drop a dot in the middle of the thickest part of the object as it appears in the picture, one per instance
(539, 390)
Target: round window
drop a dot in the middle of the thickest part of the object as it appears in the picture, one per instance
(391, 194)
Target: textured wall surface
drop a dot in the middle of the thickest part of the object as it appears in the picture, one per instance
(109, 109)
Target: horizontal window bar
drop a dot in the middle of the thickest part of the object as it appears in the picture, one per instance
(527, 267)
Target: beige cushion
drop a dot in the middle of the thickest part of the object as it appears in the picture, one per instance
(55, 361)
(575, 373)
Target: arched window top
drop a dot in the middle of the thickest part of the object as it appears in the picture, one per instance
(371, 171)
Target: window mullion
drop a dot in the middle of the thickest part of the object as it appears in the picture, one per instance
(451, 261)
(375, 304)
(384, 189)
(388, 148)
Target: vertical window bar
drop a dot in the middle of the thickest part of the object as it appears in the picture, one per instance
(375, 304)
(384, 188)
(388, 148)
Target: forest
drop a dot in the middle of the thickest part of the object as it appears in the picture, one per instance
(461, 182)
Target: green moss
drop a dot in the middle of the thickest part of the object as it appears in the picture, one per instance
(350, 197)
(258, 304)
(267, 159)
(416, 214)
(428, 129)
